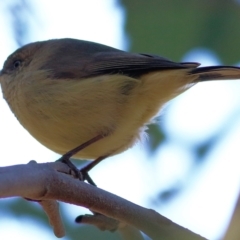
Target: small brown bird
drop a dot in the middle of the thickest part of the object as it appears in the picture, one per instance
(69, 93)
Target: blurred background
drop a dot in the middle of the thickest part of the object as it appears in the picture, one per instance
(189, 168)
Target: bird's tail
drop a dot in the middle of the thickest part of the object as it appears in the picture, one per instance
(216, 73)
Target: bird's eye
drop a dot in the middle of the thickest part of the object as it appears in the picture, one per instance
(16, 64)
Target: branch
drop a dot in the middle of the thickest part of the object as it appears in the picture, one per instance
(105, 223)
(51, 181)
(51, 208)
(233, 231)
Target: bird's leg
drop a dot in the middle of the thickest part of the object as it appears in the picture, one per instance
(83, 173)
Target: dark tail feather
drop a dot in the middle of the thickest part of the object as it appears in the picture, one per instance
(216, 73)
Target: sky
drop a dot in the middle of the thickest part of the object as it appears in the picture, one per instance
(190, 118)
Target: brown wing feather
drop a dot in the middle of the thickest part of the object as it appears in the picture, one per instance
(216, 73)
(82, 59)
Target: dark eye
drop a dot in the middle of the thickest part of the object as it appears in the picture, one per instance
(17, 64)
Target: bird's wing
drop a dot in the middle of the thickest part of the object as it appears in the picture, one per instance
(84, 59)
(130, 64)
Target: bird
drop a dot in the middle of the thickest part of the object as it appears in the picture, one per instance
(90, 101)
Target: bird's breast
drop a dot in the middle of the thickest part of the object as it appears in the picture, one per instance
(62, 114)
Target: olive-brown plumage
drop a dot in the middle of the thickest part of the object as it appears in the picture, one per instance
(66, 92)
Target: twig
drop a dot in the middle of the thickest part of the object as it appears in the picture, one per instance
(51, 208)
(105, 223)
(233, 231)
(50, 181)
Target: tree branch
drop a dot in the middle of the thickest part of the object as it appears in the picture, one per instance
(51, 208)
(233, 232)
(51, 181)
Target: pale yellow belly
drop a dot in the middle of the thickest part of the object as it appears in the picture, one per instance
(64, 114)
(63, 121)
